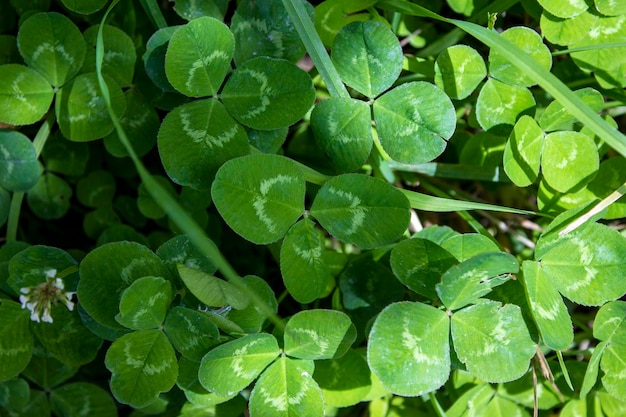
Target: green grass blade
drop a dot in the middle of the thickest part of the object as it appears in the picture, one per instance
(154, 13)
(178, 215)
(315, 48)
(442, 205)
(453, 171)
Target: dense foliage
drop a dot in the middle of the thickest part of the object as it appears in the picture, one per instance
(276, 208)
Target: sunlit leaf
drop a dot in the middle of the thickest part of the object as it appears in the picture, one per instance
(547, 308)
(528, 41)
(586, 265)
(502, 104)
(466, 282)
(231, 367)
(198, 57)
(268, 93)
(287, 389)
(52, 45)
(259, 196)
(319, 334)
(362, 210)
(342, 128)
(408, 348)
(414, 122)
(25, 96)
(459, 70)
(492, 340)
(195, 139)
(304, 271)
(368, 57)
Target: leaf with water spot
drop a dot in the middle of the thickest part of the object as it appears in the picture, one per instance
(16, 340)
(109, 269)
(259, 196)
(564, 8)
(368, 57)
(342, 128)
(304, 271)
(362, 210)
(613, 364)
(287, 389)
(610, 322)
(198, 57)
(414, 122)
(195, 139)
(547, 307)
(191, 332)
(459, 70)
(319, 334)
(25, 96)
(408, 348)
(569, 160)
(81, 111)
(522, 154)
(493, 341)
(419, 264)
(231, 367)
(502, 104)
(268, 93)
(212, 291)
(52, 45)
(82, 399)
(144, 303)
(143, 365)
(528, 41)
(471, 279)
(586, 266)
(19, 168)
(264, 28)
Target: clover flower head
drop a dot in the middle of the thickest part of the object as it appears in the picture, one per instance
(40, 298)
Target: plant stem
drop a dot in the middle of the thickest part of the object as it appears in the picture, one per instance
(16, 200)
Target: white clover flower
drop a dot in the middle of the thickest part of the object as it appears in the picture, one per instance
(40, 298)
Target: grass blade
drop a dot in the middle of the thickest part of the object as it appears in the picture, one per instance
(315, 48)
